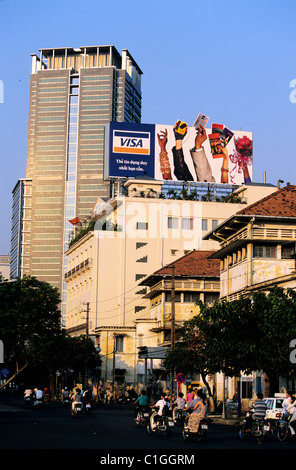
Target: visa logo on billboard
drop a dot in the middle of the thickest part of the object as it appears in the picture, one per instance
(136, 143)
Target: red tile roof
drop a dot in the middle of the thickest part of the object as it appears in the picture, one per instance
(194, 264)
(282, 203)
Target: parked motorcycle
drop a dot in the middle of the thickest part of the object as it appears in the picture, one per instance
(202, 430)
(258, 429)
(142, 419)
(76, 409)
(163, 424)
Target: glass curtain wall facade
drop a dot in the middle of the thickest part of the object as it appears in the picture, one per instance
(74, 93)
(20, 227)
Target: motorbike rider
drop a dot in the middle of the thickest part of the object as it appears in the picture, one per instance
(141, 402)
(180, 401)
(286, 403)
(258, 410)
(28, 394)
(65, 394)
(38, 394)
(108, 396)
(178, 406)
(290, 410)
(161, 404)
(87, 396)
(189, 395)
(76, 397)
(198, 406)
(46, 393)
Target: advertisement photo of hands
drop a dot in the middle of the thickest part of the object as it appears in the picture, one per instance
(206, 155)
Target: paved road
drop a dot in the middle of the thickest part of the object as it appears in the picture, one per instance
(112, 431)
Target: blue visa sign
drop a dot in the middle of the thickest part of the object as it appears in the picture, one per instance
(129, 150)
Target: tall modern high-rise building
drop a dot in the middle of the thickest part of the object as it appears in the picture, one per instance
(74, 93)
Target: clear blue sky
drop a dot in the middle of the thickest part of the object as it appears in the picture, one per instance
(232, 60)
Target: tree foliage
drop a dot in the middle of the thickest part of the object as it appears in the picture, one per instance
(245, 335)
(29, 320)
(31, 331)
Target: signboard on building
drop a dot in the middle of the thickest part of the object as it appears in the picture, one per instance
(129, 150)
(178, 153)
(152, 352)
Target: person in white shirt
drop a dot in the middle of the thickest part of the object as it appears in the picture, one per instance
(160, 404)
(38, 394)
(28, 393)
(291, 409)
(287, 401)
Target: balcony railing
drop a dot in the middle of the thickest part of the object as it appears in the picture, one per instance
(79, 269)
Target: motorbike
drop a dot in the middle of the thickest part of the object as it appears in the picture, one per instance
(38, 403)
(258, 429)
(66, 401)
(284, 427)
(46, 398)
(142, 418)
(88, 406)
(28, 400)
(77, 409)
(163, 424)
(179, 415)
(202, 430)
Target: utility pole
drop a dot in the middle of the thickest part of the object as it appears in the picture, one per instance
(173, 309)
(87, 319)
(172, 329)
(86, 346)
(114, 363)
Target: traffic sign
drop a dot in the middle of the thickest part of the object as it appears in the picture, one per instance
(4, 373)
(181, 378)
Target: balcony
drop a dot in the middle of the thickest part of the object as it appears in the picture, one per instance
(79, 269)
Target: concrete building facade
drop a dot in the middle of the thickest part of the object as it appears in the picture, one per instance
(256, 253)
(257, 246)
(5, 266)
(133, 237)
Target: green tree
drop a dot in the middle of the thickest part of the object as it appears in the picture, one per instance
(245, 335)
(80, 356)
(207, 341)
(274, 324)
(30, 323)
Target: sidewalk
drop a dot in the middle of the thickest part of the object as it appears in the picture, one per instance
(230, 421)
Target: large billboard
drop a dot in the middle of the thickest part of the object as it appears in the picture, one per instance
(178, 152)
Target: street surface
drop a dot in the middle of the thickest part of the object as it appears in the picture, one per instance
(110, 431)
